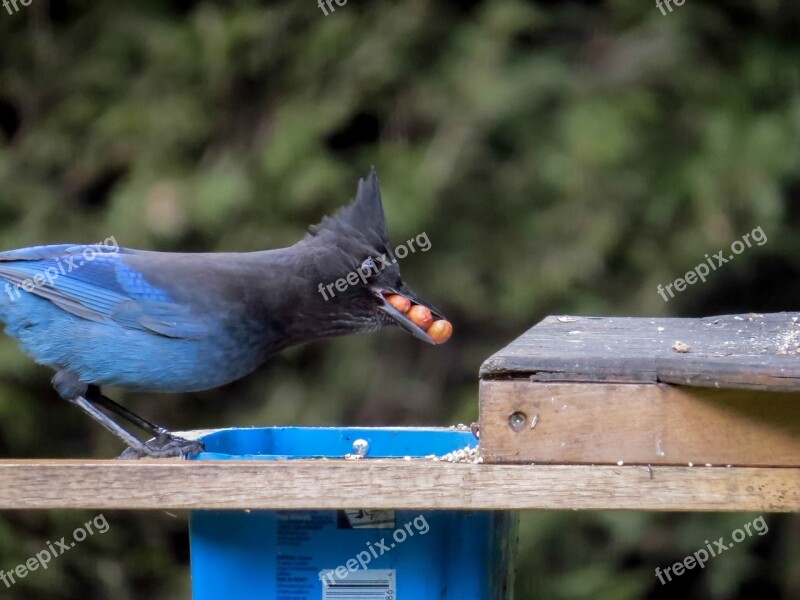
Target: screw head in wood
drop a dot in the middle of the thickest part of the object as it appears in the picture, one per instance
(517, 420)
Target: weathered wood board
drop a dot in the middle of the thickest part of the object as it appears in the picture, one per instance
(719, 390)
(657, 424)
(745, 351)
(388, 484)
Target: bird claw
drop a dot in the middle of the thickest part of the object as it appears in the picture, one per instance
(164, 446)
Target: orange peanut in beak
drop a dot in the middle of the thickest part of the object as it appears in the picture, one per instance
(440, 331)
(401, 303)
(420, 316)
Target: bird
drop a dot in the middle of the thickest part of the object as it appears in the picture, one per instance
(146, 321)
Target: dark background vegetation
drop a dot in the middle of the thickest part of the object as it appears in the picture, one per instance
(563, 157)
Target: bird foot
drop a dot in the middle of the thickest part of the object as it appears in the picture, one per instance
(164, 445)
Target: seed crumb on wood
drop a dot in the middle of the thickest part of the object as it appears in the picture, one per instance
(681, 347)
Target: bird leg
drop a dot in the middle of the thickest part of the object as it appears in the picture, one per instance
(95, 397)
(126, 436)
(165, 444)
(88, 398)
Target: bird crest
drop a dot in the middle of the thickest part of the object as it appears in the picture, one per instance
(362, 219)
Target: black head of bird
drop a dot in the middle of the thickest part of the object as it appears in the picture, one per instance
(361, 268)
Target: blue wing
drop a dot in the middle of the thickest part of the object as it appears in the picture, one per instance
(94, 283)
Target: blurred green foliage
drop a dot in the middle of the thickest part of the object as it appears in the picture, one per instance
(563, 157)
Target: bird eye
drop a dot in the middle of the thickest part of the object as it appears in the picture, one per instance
(368, 265)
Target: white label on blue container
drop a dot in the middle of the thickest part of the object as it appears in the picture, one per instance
(369, 584)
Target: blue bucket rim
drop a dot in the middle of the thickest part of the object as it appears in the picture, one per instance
(331, 442)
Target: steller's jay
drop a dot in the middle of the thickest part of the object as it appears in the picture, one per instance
(172, 322)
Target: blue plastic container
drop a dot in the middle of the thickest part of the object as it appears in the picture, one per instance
(350, 553)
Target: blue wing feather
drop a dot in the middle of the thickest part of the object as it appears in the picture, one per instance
(101, 288)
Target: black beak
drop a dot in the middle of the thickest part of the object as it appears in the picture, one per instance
(402, 320)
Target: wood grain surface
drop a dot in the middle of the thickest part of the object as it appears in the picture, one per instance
(416, 484)
(751, 351)
(657, 424)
